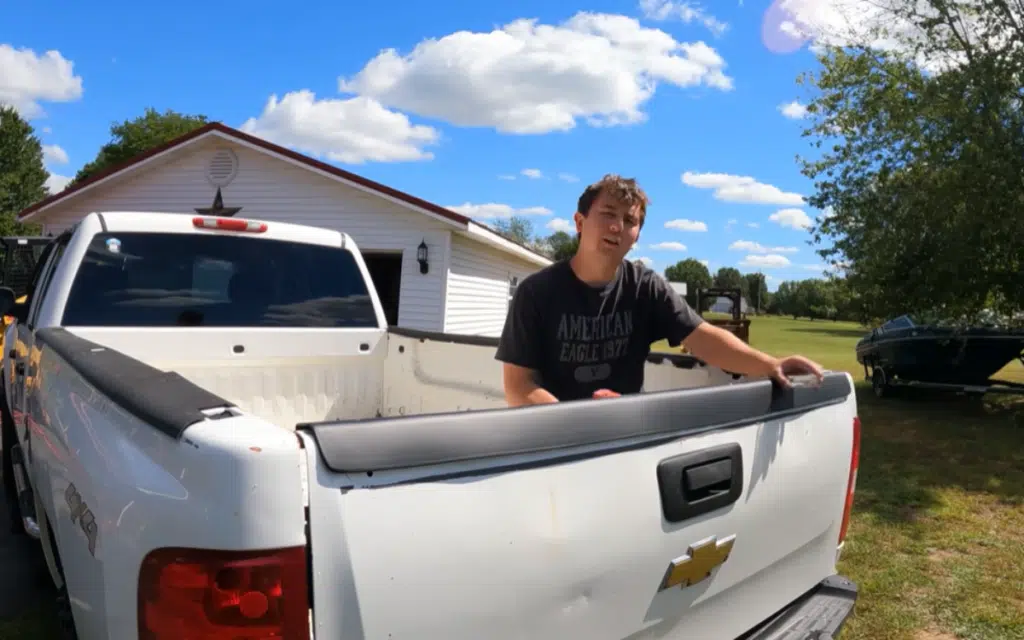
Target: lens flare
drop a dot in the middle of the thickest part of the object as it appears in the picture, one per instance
(780, 31)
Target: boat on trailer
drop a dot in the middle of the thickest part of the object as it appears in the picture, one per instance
(904, 353)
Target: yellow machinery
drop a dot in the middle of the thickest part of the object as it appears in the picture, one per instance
(20, 257)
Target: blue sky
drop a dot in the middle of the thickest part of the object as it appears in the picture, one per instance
(474, 107)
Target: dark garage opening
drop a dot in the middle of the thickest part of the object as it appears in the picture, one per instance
(386, 273)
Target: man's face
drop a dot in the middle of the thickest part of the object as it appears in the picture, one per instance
(610, 229)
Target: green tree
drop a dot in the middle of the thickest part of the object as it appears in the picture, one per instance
(728, 278)
(920, 165)
(561, 245)
(516, 228)
(132, 137)
(755, 290)
(22, 174)
(693, 273)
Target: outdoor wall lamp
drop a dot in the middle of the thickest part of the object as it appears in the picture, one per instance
(421, 256)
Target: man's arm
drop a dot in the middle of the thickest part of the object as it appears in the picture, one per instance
(521, 388)
(722, 349)
(680, 324)
(519, 350)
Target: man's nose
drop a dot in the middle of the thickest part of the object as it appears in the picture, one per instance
(615, 226)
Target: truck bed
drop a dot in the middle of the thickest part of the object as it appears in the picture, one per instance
(350, 374)
(578, 520)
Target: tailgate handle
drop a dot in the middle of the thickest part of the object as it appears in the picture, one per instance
(705, 480)
(695, 483)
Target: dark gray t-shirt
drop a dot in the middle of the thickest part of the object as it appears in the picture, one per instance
(581, 338)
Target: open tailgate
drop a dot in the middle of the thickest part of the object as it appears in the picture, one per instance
(563, 521)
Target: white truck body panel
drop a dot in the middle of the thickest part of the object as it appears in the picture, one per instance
(428, 510)
(573, 549)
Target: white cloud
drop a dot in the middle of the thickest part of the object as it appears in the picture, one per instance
(793, 110)
(495, 210)
(731, 188)
(561, 224)
(644, 259)
(705, 262)
(56, 183)
(756, 247)
(793, 218)
(28, 78)
(770, 261)
(533, 174)
(54, 154)
(353, 131)
(47, 130)
(532, 78)
(684, 11)
(683, 224)
(669, 246)
(753, 225)
(568, 177)
(506, 177)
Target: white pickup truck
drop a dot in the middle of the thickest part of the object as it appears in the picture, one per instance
(214, 434)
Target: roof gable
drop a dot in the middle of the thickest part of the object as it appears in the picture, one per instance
(463, 223)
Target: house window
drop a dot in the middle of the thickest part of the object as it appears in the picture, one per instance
(513, 284)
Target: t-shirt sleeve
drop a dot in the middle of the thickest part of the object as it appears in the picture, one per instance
(520, 338)
(674, 318)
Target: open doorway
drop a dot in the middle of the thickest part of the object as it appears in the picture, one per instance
(386, 272)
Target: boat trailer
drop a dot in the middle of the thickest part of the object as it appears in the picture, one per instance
(884, 385)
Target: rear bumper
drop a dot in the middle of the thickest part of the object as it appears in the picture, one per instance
(819, 614)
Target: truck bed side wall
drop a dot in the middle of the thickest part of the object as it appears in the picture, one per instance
(427, 372)
(110, 479)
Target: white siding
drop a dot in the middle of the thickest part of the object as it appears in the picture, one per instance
(271, 189)
(478, 287)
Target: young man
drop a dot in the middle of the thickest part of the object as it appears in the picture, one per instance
(582, 328)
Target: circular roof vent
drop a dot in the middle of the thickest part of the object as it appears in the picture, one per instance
(223, 167)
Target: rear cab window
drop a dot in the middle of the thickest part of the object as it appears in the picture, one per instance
(145, 279)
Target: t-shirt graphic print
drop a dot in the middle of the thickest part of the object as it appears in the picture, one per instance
(580, 338)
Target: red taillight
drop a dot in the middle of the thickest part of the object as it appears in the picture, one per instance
(229, 224)
(851, 484)
(222, 595)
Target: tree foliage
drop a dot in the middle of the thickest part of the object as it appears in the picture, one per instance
(132, 137)
(729, 278)
(22, 174)
(921, 163)
(755, 290)
(562, 246)
(832, 299)
(693, 273)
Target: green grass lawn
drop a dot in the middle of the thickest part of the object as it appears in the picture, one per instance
(936, 541)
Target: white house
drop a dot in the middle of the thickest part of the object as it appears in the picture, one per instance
(470, 270)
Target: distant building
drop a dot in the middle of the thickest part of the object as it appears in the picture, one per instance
(724, 305)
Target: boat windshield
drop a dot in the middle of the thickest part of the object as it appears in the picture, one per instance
(902, 322)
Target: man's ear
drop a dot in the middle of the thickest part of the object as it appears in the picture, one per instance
(578, 219)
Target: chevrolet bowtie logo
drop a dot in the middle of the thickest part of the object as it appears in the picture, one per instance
(698, 562)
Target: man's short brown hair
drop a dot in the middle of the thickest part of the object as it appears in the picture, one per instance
(624, 190)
